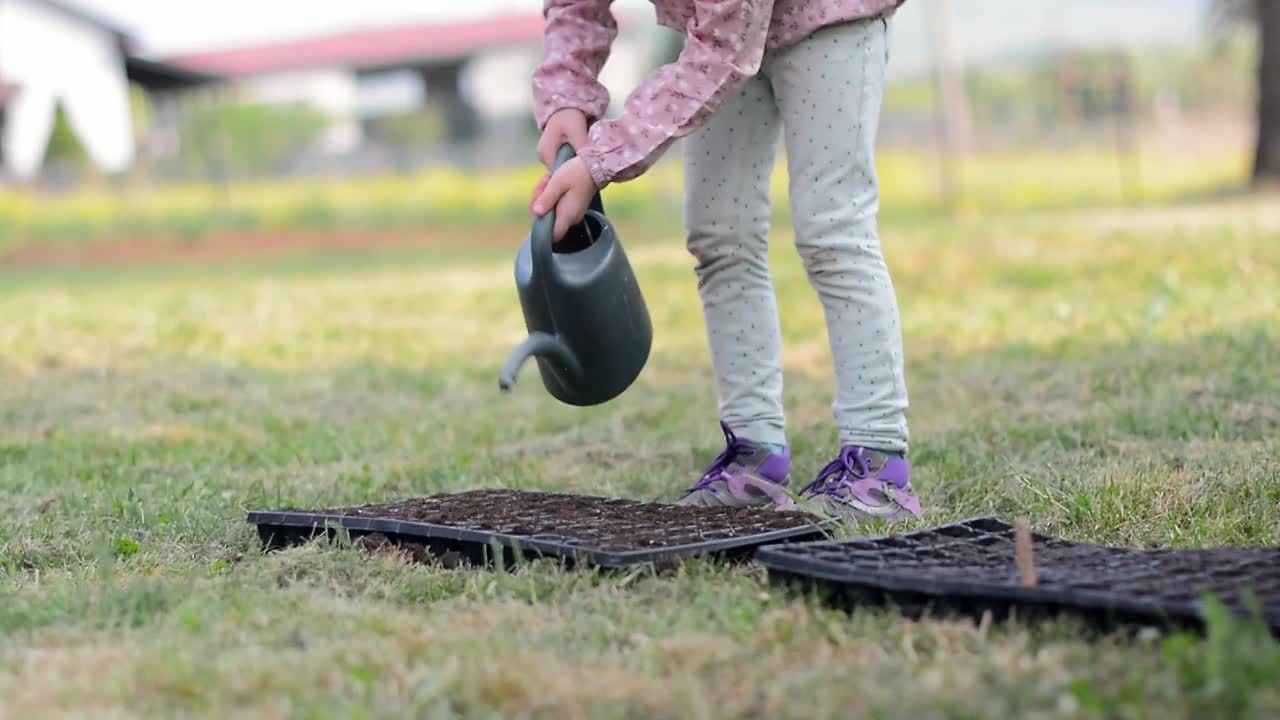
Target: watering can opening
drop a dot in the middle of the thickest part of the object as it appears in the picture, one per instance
(580, 236)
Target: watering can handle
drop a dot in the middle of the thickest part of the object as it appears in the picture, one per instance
(564, 155)
(544, 226)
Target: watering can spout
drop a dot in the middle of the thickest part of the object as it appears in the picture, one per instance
(543, 345)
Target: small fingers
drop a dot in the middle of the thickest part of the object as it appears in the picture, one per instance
(578, 138)
(537, 192)
(550, 196)
(547, 150)
(570, 211)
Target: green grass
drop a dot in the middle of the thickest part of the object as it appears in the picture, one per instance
(441, 198)
(1113, 376)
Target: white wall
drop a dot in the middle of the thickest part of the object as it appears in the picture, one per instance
(497, 81)
(390, 92)
(53, 57)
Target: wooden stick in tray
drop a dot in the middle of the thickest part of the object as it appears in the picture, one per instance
(1023, 553)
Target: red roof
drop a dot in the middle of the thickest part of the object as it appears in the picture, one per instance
(370, 49)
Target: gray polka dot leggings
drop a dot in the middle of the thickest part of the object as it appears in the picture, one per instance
(824, 94)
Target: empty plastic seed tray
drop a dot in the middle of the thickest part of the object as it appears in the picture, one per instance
(970, 567)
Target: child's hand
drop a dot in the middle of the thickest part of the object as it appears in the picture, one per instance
(564, 126)
(569, 190)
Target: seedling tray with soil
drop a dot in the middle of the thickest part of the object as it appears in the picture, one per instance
(604, 532)
(970, 568)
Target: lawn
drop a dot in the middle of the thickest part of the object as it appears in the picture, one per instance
(1113, 375)
(441, 198)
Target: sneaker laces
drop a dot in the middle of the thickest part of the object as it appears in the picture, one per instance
(839, 475)
(735, 447)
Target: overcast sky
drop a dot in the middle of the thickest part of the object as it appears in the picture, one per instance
(984, 28)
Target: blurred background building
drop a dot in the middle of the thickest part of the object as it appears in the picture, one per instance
(52, 56)
(66, 76)
(171, 91)
(374, 98)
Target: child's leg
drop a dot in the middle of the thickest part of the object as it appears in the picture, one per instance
(727, 167)
(829, 90)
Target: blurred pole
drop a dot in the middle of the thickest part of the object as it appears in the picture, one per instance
(667, 50)
(670, 45)
(1055, 28)
(1124, 109)
(954, 125)
(214, 149)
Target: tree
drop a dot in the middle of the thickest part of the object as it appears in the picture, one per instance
(1266, 165)
(250, 139)
(64, 147)
(1265, 14)
(66, 163)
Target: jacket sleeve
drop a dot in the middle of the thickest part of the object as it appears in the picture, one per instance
(577, 40)
(724, 46)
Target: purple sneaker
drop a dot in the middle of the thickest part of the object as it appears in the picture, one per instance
(863, 485)
(746, 473)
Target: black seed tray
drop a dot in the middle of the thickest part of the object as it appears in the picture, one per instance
(969, 567)
(604, 532)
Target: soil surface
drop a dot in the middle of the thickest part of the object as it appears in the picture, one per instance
(607, 524)
(986, 556)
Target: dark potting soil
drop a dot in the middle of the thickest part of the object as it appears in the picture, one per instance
(608, 524)
(966, 558)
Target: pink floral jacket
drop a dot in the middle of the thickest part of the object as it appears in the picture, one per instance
(725, 41)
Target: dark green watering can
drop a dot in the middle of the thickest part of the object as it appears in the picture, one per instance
(588, 324)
